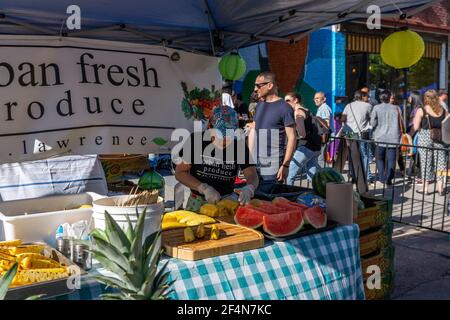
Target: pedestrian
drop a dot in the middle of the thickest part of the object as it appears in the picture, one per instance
(274, 130)
(323, 109)
(428, 123)
(357, 115)
(368, 97)
(443, 97)
(209, 162)
(385, 120)
(324, 112)
(308, 141)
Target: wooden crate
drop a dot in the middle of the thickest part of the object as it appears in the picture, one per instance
(375, 239)
(377, 213)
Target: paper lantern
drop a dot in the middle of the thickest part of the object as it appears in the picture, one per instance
(232, 67)
(402, 49)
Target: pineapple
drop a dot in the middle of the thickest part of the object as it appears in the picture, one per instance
(134, 264)
(215, 233)
(200, 232)
(188, 235)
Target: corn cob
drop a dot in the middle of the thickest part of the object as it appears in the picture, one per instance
(31, 248)
(33, 263)
(12, 243)
(24, 277)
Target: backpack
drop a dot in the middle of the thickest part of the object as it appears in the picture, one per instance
(323, 129)
(317, 131)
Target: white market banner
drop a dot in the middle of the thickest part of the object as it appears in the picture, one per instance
(93, 97)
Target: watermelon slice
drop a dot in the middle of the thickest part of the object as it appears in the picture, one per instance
(249, 217)
(316, 217)
(285, 203)
(283, 224)
(264, 206)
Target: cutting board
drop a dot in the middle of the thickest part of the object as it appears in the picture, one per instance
(233, 239)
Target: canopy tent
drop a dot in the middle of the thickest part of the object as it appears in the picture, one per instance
(212, 27)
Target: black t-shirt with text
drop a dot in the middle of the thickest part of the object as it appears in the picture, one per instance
(214, 166)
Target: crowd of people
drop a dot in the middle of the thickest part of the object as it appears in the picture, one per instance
(284, 139)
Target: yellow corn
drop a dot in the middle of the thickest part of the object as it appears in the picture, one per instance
(12, 243)
(24, 277)
(31, 248)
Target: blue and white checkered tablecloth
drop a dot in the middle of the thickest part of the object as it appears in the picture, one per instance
(320, 266)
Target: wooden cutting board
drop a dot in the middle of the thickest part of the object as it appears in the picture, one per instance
(233, 239)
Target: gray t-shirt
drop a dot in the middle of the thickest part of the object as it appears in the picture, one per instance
(386, 123)
(359, 119)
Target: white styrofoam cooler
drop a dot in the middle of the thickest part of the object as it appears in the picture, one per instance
(37, 219)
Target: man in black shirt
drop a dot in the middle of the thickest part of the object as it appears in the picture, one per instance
(209, 162)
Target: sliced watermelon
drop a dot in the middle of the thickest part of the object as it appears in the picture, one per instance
(283, 224)
(316, 217)
(264, 206)
(285, 203)
(249, 217)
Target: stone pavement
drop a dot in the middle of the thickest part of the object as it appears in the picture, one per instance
(422, 264)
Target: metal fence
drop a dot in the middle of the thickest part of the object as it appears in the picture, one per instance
(428, 211)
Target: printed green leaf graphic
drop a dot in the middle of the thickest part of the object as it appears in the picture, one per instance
(159, 141)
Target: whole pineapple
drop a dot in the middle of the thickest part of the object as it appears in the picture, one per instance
(133, 263)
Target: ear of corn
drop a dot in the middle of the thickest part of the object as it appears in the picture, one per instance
(24, 277)
(31, 248)
(12, 243)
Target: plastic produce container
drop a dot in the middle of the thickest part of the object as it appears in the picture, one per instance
(37, 219)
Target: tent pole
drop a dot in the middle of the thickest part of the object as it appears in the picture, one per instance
(341, 15)
(28, 26)
(211, 25)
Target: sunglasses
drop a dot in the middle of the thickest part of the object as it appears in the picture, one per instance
(262, 84)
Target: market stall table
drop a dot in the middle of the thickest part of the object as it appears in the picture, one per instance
(320, 266)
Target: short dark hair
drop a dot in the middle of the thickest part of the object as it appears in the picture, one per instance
(385, 96)
(359, 95)
(268, 76)
(442, 92)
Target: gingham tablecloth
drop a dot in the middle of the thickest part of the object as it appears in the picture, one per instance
(320, 266)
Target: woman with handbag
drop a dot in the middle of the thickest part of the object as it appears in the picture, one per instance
(428, 121)
(386, 123)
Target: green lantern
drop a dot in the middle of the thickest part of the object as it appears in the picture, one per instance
(402, 49)
(232, 67)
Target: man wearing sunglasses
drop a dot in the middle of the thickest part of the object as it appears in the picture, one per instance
(275, 130)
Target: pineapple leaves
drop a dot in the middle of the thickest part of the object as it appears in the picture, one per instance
(6, 280)
(133, 261)
(115, 283)
(130, 231)
(115, 234)
(99, 234)
(113, 254)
